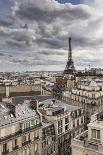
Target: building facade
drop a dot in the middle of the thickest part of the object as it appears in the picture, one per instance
(68, 121)
(49, 144)
(90, 142)
(20, 129)
(87, 94)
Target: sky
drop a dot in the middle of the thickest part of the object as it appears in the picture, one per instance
(34, 34)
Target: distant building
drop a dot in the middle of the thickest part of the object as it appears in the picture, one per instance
(46, 88)
(88, 94)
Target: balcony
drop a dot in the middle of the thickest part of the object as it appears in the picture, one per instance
(20, 132)
(82, 141)
(16, 147)
(31, 128)
(26, 143)
(6, 152)
(92, 146)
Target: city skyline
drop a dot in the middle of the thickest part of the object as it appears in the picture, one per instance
(34, 34)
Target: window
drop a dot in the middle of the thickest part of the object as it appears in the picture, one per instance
(79, 112)
(81, 120)
(78, 122)
(24, 138)
(95, 134)
(15, 142)
(98, 134)
(54, 148)
(27, 125)
(28, 137)
(5, 147)
(59, 123)
(66, 127)
(66, 120)
(73, 124)
(75, 114)
(59, 130)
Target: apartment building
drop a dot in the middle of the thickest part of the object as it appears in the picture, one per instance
(20, 128)
(49, 143)
(88, 94)
(90, 142)
(68, 121)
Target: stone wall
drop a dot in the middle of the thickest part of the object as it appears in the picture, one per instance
(20, 90)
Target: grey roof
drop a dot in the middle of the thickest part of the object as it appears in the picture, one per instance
(20, 99)
(59, 104)
(46, 123)
(55, 109)
(22, 112)
(41, 98)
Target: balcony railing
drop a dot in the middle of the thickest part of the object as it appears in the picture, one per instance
(33, 127)
(92, 146)
(20, 132)
(5, 152)
(16, 147)
(26, 142)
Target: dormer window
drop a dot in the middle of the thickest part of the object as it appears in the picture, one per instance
(11, 115)
(23, 112)
(5, 117)
(18, 114)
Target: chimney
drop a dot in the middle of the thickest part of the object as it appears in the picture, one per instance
(34, 104)
(7, 91)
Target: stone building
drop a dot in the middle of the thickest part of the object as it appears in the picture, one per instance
(49, 144)
(20, 128)
(88, 94)
(46, 89)
(90, 142)
(68, 121)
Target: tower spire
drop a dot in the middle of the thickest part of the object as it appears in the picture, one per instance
(70, 49)
(70, 69)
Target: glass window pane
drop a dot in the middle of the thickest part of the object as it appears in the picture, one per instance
(98, 134)
(93, 133)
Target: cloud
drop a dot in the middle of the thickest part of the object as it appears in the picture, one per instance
(2, 55)
(44, 41)
(32, 12)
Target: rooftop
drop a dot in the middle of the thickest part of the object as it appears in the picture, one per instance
(54, 105)
(12, 114)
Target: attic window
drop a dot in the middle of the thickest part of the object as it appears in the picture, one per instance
(5, 117)
(18, 114)
(23, 112)
(2, 106)
(11, 115)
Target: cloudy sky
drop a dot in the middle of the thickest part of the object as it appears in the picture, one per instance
(34, 34)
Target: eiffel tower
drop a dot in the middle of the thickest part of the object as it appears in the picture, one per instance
(70, 68)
